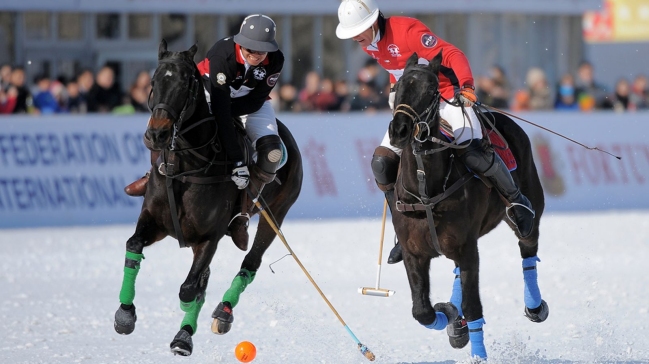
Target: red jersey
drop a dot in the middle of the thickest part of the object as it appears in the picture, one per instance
(402, 36)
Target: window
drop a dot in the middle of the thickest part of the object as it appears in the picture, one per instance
(108, 26)
(139, 26)
(37, 25)
(70, 26)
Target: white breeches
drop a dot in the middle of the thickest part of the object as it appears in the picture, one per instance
(465, 127)
(261, 123)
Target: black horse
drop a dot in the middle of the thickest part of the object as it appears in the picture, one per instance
(191, 197)
(445, 209)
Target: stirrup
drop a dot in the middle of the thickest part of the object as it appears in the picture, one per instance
(246, 215)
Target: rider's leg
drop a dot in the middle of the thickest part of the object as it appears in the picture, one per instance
(261, 128)
(468, 132)
(385, 165)
(138, 187)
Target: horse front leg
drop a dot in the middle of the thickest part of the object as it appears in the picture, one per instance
(146, 233)
(192, 296)
(469, 264)
(223, 315)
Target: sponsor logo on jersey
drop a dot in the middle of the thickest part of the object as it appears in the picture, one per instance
(272, 79)
(394, 50)
(220, 79)
(259, 73)
(428, 40)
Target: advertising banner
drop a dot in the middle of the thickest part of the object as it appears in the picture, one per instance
(70, 170)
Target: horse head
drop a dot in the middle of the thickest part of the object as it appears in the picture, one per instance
(416, 102)
(175, 91)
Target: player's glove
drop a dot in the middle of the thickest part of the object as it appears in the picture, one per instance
(240, 175)
(466, 96)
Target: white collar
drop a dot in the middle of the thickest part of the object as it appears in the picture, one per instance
(374, 45)
(245, 62)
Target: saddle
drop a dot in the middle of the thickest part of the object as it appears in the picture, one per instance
(493, 141)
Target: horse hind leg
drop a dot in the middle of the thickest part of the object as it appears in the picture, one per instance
(223, 315)
(536, 309)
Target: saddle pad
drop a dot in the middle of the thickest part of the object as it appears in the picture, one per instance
(505, 154)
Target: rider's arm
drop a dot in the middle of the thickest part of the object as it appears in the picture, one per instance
(220, 78)
(256, 98)
(428, 45)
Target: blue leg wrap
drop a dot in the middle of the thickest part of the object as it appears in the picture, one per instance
(532, 292)
(476, 337)
(456, 296)
(440, 322)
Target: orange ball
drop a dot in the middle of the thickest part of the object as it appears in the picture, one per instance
(245, 351)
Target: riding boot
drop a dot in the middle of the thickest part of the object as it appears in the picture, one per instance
(268, 157)
(138, 187)
(487, 163)
(385, 165)
(238, 230)
(395, 254)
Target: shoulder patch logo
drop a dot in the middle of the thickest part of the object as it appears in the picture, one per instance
(272, 79)
(220, 79)
(428, 40)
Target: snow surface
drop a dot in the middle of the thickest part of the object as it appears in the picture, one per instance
(59, 291)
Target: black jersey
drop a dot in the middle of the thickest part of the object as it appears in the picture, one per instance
(235, 91)
(247, 90)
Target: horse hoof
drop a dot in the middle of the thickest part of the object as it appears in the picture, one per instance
(538, 314)
(125, 318)
(182, 344)
(458, 333)
(223, 318)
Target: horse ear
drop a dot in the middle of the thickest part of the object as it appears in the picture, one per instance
(413, 60)
(191, 52)
(436, 62)
(162, 49)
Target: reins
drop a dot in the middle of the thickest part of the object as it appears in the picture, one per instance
(166, 165)
(422, 133)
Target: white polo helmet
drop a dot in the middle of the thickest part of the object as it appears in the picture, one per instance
(355, 17)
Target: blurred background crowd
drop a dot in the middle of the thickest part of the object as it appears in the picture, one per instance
(99, 92)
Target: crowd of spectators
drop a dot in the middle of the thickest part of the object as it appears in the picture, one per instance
(86, 93)
(100, 93)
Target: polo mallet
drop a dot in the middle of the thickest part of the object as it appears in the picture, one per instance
(362, 348)
(380, 292)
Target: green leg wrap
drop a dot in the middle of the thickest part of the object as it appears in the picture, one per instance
(239, 284)
(192, 309)
(131, 268)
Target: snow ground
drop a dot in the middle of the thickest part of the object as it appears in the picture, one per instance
(59, 290)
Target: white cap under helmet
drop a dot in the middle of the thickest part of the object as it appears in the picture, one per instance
(355, 17)
(257, 33)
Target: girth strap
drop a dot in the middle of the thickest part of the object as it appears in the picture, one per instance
(429, 203)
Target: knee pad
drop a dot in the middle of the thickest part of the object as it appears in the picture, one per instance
(385, 165)
(269, 153)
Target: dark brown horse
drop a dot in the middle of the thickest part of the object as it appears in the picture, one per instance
(191, 197)
(446, 209)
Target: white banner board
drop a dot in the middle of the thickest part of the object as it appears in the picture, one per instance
(70, 170)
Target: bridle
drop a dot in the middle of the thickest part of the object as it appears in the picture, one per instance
(423, 132)
(190, 102)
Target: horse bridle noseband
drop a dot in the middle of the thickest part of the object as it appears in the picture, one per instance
(190, 102)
